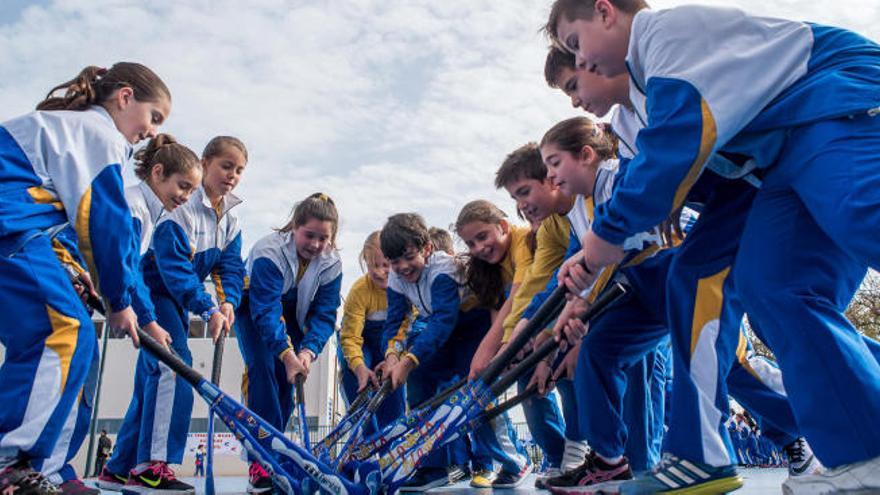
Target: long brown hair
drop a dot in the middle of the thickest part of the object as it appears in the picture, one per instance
(95, 85)
(164, 149)
(484, 279)
(571, 135)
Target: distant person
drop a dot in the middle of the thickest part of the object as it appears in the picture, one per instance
(105, 446)
(200, 461)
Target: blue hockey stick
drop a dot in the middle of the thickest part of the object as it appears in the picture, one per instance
(215, 379)
(288, 464)
(299, 395)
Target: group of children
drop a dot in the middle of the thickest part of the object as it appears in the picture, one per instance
(724, 185)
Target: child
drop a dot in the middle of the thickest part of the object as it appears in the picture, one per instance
(441, 240)
(361, 335)
(288, 312)
(785, 123)
(169, 173)
(431, 281)
(62, 164)
(200, 462)
(201, 237)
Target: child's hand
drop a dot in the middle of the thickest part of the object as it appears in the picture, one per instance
(480, 361)
(306, 358)
(401, 372)
(229, 312)
(384, 368)
(159, 334)
(569, 364)
(292, 366)
(125, 320)
(542, 378)
(217, 324)
(364, 376)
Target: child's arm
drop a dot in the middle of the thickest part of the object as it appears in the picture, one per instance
(445, 300)
(140, 294)
(321, 321)
(398, 309)
(264, 299)
(354, 314)
(171, 248)
(228, 274)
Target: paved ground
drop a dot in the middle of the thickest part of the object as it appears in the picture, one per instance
(758, 482)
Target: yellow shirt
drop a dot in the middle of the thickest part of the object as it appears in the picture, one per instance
(552, 237)
(518, 258)
(364, 299)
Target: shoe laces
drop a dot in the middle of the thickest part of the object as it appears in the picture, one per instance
(40, 482)
(256, 471)
(666, 461)
(162, 469)
(796, 451)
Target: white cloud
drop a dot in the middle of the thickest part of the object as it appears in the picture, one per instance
(386, 106)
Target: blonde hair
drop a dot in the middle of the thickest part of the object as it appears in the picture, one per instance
(371, 247)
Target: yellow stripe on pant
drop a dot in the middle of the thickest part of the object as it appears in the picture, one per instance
(65, 331)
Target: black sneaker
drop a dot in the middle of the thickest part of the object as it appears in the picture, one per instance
(259, 480)
(424, 479)
(511, 480)
(457, 473)
(77, 487)
(21, 479)
(111, 481)
(592, 472)
(158, 478)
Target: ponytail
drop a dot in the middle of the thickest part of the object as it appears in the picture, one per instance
(164, 149)
(95, 85)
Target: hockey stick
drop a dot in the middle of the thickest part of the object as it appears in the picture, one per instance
(406, 453)
(356, 431)
(287, 463)
(322, 447)
(300, 398)
(215, 379)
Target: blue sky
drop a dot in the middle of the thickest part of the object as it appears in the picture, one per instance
(386, 106)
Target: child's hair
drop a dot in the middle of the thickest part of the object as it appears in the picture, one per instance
(317, 206)
(174, 157)
(402, 231)
(218, 144)
(94, 86)
(441, 239)
(583, 9)
(371, 247)
(573, 134)
(484, 279)
(523, 163)
(557, 61)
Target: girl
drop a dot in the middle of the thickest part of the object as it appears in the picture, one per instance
(169, 173)
(288, 312)
(201, 237)
(361, 334)
(62, 164)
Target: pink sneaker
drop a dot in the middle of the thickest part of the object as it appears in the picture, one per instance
(111, 481)
(259, 480)
(157, 478)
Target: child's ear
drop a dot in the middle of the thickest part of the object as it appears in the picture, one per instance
(588, 154)
(505, 226)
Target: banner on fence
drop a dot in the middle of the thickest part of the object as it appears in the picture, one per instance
(224, 443)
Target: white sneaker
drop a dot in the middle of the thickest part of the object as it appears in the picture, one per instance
(801, 460)
(859, 477)
(574, 455)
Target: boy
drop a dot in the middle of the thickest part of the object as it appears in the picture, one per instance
(431, 281)
(804, 100)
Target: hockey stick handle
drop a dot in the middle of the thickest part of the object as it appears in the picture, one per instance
(442, 396)
(298, 384)
(172, 361)
(608, 297)
(545, 314)
(507, 405)
(217, 366)
(380, 396)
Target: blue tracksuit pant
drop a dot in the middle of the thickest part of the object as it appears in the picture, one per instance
(48, 349)
(157, 420)
(809, 237)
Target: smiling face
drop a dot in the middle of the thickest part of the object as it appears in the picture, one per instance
(599, 44)
(223, 172)
(572, 174)
(175, 189)
(410, 265)
(312, 238)
(377, 268)
(536, 199)
(137, 120)
(486, 241)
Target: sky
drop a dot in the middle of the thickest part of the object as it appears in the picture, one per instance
(387, 106)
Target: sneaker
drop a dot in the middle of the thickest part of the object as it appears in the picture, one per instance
(511, 480)
(592, 472)
(801, 460)
(158, 478)
(77, 487)
(259, 480)
(457, 473)
(483, 478)
(424, 479)
(674, 475)
(108, 480)
(573, 455)
(541, 480)
(21, 479)
(859, 477)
